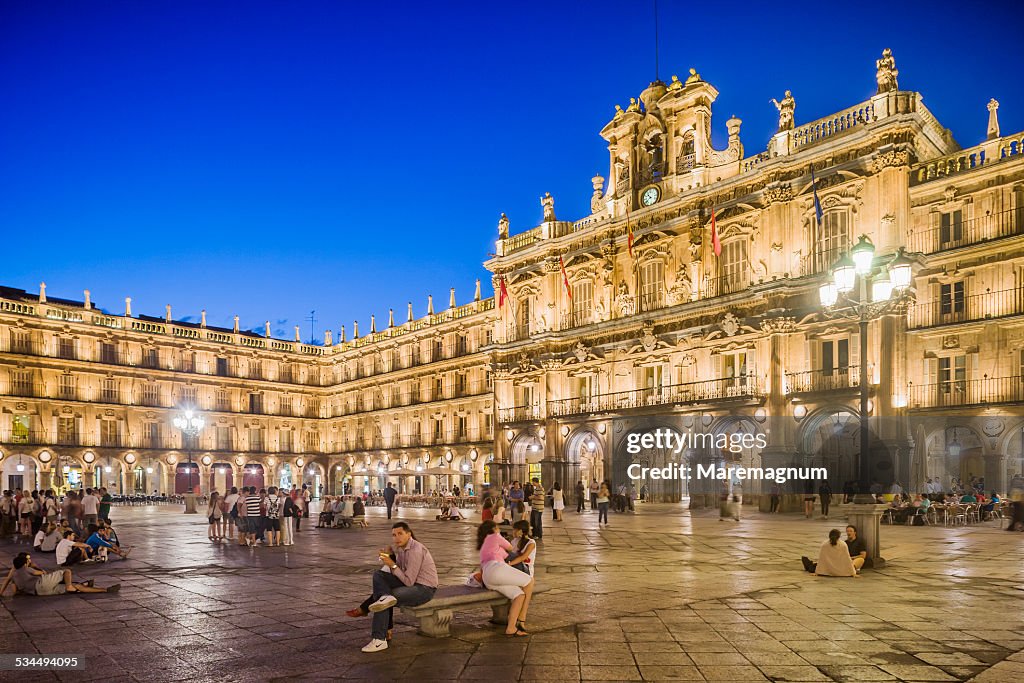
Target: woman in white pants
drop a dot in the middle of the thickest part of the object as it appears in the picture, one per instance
(517, 586)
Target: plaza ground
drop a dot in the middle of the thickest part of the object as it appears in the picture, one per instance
(660, 595)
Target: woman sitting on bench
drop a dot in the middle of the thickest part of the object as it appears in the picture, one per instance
(515, 585)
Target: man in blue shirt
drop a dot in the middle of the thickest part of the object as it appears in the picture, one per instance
(100, 543)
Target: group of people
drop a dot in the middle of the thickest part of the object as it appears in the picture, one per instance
(408, 577)
(517, 503)
(23, 513)
(270, 516)
(76, 529)
(342, 512)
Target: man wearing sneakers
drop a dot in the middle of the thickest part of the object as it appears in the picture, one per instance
(409, 579)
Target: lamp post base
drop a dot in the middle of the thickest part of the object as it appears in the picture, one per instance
(190, 504)
(867, 518)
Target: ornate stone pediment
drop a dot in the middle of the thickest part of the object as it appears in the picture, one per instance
(729, 326)
(778, 324)
(780, 193)
(891, 158)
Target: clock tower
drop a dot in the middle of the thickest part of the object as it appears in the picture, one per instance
(660, 145)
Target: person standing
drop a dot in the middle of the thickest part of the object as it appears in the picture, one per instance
(287, 519)
(581, 493)
(825, 496)
(274, 504)
(809, 499)
(410, 580)
(537, 509)
(242, 520)
(775, 495)
(603, 495)
(230, 512)
(213, 516)
(557, 501)
(90, 508)
(253, 504)
(595, 488)
(105, 502)
(390, 496)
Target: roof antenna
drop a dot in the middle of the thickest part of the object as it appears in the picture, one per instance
(312, 321)
(656, 78)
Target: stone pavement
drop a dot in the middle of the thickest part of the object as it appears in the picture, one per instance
(659, 595)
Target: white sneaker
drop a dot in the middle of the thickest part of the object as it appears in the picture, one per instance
(385, 602)
(375, 645)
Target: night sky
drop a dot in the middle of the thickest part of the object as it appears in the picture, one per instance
(267, 159)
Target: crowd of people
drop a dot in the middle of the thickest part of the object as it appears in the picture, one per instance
(76, 528)
(250, 517)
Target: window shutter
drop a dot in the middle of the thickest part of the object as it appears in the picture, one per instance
(855, 350)
(932, 370)
(812, 348)
(973, 372)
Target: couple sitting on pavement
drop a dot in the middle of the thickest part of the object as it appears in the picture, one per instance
(449, 512)
(837, 557)
(30, 580)
(96, 548)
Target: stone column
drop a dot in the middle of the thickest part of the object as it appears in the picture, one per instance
(867, 518)
(780, 450)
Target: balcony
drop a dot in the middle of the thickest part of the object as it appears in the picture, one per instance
(829, 379)
(967, 392)
(519, 414)
(707, 391)
(725, 285)
(1009, 223)
(954, 310)
(577, 318)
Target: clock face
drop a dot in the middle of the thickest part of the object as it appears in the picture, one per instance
(649, 196)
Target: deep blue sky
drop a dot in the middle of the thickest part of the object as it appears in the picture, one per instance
(269, 158)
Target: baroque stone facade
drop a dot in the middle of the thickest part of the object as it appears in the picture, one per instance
(660, 330)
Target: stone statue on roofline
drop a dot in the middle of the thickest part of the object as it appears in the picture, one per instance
(786, 108)
(548, 203)
(503, 227)
(887, 72)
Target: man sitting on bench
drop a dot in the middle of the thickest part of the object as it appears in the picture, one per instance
(408, 578)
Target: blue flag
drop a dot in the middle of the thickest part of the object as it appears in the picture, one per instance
(818, 213)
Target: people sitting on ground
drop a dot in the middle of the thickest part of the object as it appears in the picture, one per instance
(833, 558)
(30, 580)
(487, 511)
(359, 513)
(70, 551)
(857, 547)
(47, 539)
(449, 512)
(500, 513)
(408, 578)
(101, 545)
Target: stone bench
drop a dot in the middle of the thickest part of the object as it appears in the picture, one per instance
(436, 616)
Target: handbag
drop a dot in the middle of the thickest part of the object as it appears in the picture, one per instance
(520, 566)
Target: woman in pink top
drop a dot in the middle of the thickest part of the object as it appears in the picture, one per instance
(517, 586)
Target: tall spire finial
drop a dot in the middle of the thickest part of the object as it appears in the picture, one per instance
(993, 119)
(410, 312)
(430, 304)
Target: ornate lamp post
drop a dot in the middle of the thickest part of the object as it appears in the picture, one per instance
(889, 292)
(190, 424)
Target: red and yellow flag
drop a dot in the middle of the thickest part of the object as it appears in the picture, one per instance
(565, 277)
(716, 244)
(502, 291)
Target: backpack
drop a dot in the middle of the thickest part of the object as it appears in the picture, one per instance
(234, 510)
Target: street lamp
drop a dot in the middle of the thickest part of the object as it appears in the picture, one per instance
(190, 425)
(889, 292)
